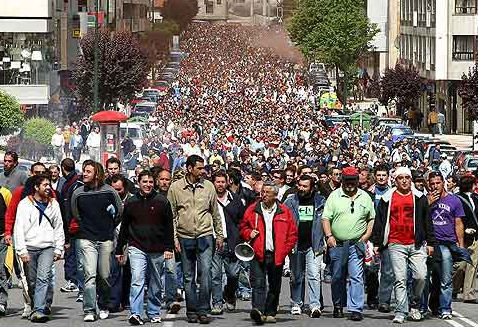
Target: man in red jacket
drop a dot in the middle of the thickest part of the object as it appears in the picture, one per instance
(269, 225)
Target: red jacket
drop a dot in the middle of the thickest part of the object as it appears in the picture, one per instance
(284, 231)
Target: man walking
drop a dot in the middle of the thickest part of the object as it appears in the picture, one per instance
(347, 221)
(402, 225)
(307, 207)
(5, 197)
(270, 227)
(12, 176)
(58, 143)
(39, 240)
(147, 228)
(195, 210)
(231, 211)
(93, 143)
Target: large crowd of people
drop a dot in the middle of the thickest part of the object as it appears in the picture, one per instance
(238, 152)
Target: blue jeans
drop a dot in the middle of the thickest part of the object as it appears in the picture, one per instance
(96, 259)
(80, 277)
(38, 272)
(244, 283)
(300, 262)
(170, 282)
(3, 273)
(386, 278)
(441, 273)
(348, 258)
(120, 281)
(197, 253)
(144, 265)
(70, 265)
(231, 266)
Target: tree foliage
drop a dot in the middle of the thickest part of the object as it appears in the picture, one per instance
(180, 11)
(156, 47)
(39, 129)
(122, 69)
(468, 92)
(401, 83)
(11, 115)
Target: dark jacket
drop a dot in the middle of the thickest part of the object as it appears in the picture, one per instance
(423, 225)
(147, 224)
(233, 213)
(292, 202)
(98, 211)
(3, 210)
(470, 220)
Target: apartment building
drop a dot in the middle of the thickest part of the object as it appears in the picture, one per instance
(213, 10)
(439, 37)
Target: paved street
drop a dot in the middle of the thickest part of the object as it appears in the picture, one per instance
(66, 312)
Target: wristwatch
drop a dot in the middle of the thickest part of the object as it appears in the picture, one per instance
(328, 236)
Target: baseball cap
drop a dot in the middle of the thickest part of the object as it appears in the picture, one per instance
(350, 173)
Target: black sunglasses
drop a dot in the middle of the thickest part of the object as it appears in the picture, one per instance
(352, 207)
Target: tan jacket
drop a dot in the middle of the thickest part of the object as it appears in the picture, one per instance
(195, 209)
(433, 117)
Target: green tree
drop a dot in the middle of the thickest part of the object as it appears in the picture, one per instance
(333, 31)
(39, 129)
(468, 92)
(11, 115)
(180, 11)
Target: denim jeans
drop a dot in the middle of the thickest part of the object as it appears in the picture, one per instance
(265, 296)
(120, 281)
(244, 282)
(439, 293)
(51, 286)
(70, 265)
(348, 259)
(170, 282)
(3, 273)
(38, 272)
(145, 265)
(231, 266)
(197, 254)
(300, 262)
(96, 259)
(404, 258)
(386, 278)
(80, 273)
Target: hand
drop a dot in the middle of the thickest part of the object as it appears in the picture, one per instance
(331, 242)
(433, 197)
(177, 246)
(56, 257)
(121, 259)
(8, 240)
(254, 234)
(168, 255)
(66, 246)
(219, 244)
(375, 250)
(25, 258)
(430, 250)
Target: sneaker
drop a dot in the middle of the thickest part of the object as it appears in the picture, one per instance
(415, 315)
(39, 317)
(79, 298)
(47, 309)
(174, 308)
(246, 297)
(446, 316)
(89, 317)
(356, 316)
(315, 312)
(384, 307)
(338, 312)
(155, 320)
(26, 313)
(271, 320)
(135, 320)
(217, 310)
(296, 311)
(69, 287)
(257, 316)
(3, 310)
(230, 306)
(398, 319)
(104, 314)
(204, 319)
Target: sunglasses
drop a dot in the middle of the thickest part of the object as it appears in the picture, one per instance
(352, 207)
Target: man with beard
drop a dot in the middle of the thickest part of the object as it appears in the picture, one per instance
(12, 176)
(306, 206)
(347, 221)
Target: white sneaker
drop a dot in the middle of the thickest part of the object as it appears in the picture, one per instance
(296, 311)
(26, 313)
(415, 315)
(399, 319)
(89, 317)
(104, 314)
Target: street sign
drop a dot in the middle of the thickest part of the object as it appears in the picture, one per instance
(76, 33)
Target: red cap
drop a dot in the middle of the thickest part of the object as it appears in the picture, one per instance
(350, 172)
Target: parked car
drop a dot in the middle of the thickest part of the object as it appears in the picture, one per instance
(386, 121)
(399, 132)
(448, 149)
(143, 109)
(471, 163)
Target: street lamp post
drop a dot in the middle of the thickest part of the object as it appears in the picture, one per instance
(96, 59)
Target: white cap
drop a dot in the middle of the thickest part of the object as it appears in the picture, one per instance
(403, 171)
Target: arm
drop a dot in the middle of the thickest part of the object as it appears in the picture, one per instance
(365, 237)
(124, 231)
(328, 212)
(11, 212)
(460, 231)
(245, 225)
(293, 234)
(216, 217)
(119, 208)
(19, 231)
(174, 210)
(58, 233)
(169, 228)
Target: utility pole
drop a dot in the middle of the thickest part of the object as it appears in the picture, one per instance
(96, 59)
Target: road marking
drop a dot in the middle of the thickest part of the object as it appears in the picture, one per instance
(454, 323)
(465, 319)
(169, 323)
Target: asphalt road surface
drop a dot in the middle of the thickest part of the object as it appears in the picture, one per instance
(66, 312)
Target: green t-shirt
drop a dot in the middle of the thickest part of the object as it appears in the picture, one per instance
(346, 225)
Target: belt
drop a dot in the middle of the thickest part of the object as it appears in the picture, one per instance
(350, 242)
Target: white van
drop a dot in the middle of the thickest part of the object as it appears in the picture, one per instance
(134, 131)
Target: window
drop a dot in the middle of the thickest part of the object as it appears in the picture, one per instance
(463, 47)
(219, 2)
(209, 7)
(465, 6)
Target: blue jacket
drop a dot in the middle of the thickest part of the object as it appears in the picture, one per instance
(292, 202)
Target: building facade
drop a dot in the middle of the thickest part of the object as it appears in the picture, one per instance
(213, 10)
(439, 37)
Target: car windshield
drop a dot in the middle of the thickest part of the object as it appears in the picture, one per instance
(402, 131)
(473, 163)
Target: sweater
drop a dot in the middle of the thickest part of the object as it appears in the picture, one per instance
(31, 233)
(147, 224)
(12, 180)
(98, 211)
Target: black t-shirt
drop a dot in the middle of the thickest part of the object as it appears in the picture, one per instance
(306, 218)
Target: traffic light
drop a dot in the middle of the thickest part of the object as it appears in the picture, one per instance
(431, 100)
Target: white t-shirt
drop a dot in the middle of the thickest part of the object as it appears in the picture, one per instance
(221, 213)
(268, 218)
